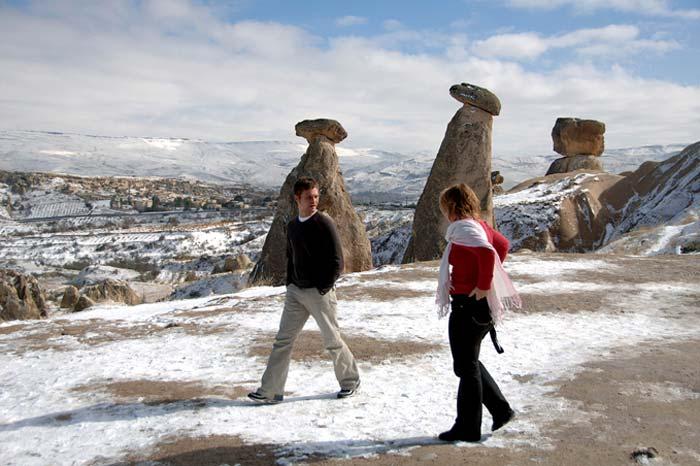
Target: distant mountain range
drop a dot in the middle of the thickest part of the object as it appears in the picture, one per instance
(369, 173)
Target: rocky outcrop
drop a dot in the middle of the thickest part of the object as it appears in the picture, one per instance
(576, 162)
(240, 262)
(464, 157)
(83, 303)
(582, 211)
(21, 297)
(320, 161)
(70, 297)
(233, 264)
(109, 290)
(581, 142)
(573, 136)
(657, 193)
(496, 182)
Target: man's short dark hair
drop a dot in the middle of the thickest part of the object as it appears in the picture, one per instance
(304, 183)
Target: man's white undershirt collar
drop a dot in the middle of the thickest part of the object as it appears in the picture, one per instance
(303, 219)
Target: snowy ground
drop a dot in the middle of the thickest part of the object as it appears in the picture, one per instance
(64, 401)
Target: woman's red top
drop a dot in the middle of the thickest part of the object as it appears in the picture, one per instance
(472, 267)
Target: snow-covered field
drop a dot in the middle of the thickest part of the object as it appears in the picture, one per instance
(56, 406)
(169, 250)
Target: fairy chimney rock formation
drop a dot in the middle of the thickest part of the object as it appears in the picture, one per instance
(464, 157)
(320, 161)
(581, 142)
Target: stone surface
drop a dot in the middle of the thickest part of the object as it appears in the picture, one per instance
(21, 297)
(83, 303)
(112, 290)
(233, 264)
(607, 212)
(496, 182)
(576, 162)
(497, 178)
(320, 162)
(240, 262)
(312, 129)
(464, 157)
(70, 297)
(573, 136)
(476, 96)
(578, 222)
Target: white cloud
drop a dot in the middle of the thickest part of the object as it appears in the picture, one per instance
(392, 24)
(610, 41)
(522, 46)
(346, 21)
(645, 7)
(125, 71)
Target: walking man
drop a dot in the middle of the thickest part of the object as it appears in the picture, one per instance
(314, 263)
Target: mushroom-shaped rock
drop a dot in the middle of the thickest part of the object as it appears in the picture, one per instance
(312, 129)
(573, 136)
(476, 96)
(321, 163)
(464, 157)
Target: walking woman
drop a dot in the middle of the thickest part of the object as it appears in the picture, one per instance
(477, 291)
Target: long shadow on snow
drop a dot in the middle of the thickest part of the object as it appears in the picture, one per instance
(307, 452)
(106, 412)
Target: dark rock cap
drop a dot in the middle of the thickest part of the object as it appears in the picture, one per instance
(311, 129)
(476, 96)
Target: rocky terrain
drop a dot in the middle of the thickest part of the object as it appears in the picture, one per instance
(59, 228)
(66, 232)
(651, 210)
(40, 196)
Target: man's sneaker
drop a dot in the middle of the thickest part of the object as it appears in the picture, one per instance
(259, 398)
(348, 392)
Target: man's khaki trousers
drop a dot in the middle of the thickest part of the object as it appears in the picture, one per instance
(299, 304)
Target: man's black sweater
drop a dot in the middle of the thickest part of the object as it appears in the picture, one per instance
(314, 253)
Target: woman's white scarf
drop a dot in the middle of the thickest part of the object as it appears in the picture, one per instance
(502, 294)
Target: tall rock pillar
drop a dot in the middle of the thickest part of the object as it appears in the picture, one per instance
(464, 157)
(320, 161)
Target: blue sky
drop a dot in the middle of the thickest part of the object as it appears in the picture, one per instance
(249, 70)
(481, 19)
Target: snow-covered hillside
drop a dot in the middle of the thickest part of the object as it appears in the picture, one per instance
(369, 173)
(652, 210)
